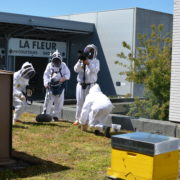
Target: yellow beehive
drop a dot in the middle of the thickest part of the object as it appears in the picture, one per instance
(152, 162)
(135, 166)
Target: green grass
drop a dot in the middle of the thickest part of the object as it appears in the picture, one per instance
(58, 150)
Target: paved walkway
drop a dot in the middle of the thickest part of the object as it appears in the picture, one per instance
(128, 123)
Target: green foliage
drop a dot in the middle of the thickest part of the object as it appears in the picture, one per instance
(146, 108)
(150, 65)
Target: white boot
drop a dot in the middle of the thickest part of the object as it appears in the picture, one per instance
(116, 127)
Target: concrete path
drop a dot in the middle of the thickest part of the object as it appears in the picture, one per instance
(128, 123)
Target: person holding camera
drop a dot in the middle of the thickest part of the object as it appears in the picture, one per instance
(87, 68)
(55, 76)
(20, 89)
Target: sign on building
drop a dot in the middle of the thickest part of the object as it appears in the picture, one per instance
(36, 48)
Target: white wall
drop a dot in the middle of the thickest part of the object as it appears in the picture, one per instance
(116, 26)
(112, 27)
(174, 114)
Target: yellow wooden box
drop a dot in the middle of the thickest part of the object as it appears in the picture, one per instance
(144, 156)
(136, 166)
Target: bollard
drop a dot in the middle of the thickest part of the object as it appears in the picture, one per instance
(6, 88)
(144, 156)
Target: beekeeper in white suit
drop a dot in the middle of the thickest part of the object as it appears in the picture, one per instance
(20, 82)
(54, 77)
(95, 111)
(87, 68)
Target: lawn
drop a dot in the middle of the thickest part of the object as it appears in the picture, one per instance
(57, 150)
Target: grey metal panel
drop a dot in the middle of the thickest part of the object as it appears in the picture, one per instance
(144, 19)
(146, 143)
(45, 22)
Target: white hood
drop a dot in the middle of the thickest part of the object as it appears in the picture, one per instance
(93, 47)
(27, 70)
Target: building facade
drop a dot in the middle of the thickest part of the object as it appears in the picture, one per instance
(31, 38)
(114, 27)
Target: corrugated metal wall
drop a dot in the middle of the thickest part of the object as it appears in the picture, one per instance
(174, 114)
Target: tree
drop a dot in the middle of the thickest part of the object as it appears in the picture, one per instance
(151, 66)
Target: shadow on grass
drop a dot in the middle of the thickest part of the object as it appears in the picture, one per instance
(28, 166)
(43, 124)
(95, 133)
(20, 126)
(98, 133)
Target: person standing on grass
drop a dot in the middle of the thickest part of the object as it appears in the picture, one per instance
(55, 76)
(95, 111)
(20, 83)
(87, 68)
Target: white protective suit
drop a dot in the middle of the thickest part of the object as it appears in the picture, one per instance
(96, 109)
(56, 73)
(20, 81)
(91, 72)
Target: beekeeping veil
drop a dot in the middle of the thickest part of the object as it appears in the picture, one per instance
(27, 71)
(56, 59)
(90, 51)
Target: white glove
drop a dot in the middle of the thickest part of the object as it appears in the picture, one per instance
(22, 97)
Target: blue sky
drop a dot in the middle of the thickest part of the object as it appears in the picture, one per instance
(47, 8)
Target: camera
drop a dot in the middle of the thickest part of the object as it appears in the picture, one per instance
(84, 85)
(82, 56)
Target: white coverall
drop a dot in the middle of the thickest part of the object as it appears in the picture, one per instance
(96, 109)
(19, 87)
(50, 99)
(19, 101)
(91, 72)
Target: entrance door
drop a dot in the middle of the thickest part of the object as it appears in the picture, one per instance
(39, 65)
